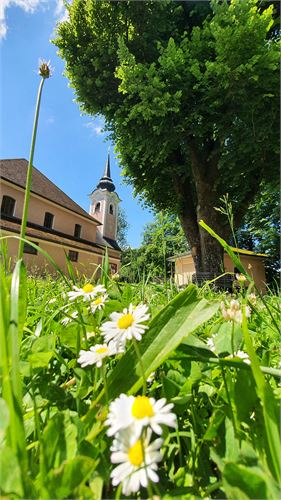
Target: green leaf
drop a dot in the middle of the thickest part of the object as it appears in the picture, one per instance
(53, 442)
(245, 482)
(4, 418)
(45, 343)
(271, 413)
(68, 337)
(245, 396)
(40, 359)
(71, 474)
(228, 335)
(215, 421)
(167, 330)
(96, 486)
(10, 474)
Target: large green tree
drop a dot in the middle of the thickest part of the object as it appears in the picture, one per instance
(189, 92)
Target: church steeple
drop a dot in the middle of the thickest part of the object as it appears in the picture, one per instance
(106, 182)
(104, 204)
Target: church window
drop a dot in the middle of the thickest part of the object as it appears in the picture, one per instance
(48, 220)
(111, 209)
(73, 255)
(77, 231)
(8, 206)
(97, 207)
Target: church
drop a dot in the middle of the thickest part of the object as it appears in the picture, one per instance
(58, 225)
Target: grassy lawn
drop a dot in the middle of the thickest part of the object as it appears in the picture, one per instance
(117, 390)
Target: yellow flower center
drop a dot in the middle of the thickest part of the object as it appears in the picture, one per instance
(88, 288)
(125, 321)
(142, 407)
(135, 454)
(101, 350)
(98, 301)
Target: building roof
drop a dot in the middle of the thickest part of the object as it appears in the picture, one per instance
(235, 250)
(105, 241)
(12, 224)
(15, 170)
(106, 182)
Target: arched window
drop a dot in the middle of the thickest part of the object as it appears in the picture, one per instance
(8, 206)
(97, 207)
(48, 220)
(111, 209)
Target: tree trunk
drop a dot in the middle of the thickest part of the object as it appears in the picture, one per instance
(188, 219)
(197, 200)
(204, 174)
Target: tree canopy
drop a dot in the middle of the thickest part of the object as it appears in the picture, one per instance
(190, 95)
(161, 239)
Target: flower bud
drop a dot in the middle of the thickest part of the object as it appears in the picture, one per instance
(45, 69)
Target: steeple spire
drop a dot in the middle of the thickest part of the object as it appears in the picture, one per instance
(106, 181)
(107, 167)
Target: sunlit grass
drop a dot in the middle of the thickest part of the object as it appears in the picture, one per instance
(53, 435)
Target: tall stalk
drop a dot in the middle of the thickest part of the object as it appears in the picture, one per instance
(44, 72)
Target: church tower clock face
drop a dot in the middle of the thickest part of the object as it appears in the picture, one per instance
(104, 204)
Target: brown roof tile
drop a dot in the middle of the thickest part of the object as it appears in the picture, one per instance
(15, 170)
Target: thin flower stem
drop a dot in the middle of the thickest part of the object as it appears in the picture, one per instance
(149, 489)
(118, 492)
(232, 338)
(179, 445)
(103, 371)
(29, 172)
(141, 364)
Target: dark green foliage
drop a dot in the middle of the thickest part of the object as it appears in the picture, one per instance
(261, 229)
(161, 239)
(122, 229)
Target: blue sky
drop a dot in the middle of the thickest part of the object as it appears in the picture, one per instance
(70, 149)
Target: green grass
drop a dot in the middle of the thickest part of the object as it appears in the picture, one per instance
(53, 434)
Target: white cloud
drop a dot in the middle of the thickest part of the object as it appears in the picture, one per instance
(30, 6)
(96, 126)
(50, 120)
(26, 5)
(60, 11)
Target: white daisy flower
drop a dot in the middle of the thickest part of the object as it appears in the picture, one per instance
(51, 301)
(137, 460)
(140, 411)
(97, 353)
(98, 303)
(211, 344)
(70, 318)
(126, 325)
(88, 292)
(242, 355)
